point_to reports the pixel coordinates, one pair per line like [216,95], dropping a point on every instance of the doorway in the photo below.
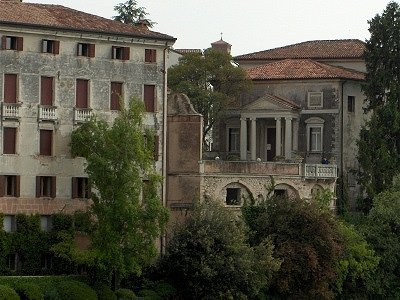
[271,143]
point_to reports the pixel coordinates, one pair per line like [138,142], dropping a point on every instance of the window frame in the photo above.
[238,201]
[315,123]
[351,104]
[150,106]
[120,53]
[10,42]
[13,150]
[10,79]
[85,50]
[43,150]
[44,91]
[10,185]
[312,94]
[150,55]
[46,186]
[87,87]
[13,223]
[50,46]
[81,188]
[228,144]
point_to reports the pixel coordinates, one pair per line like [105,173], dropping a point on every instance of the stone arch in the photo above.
[315,189]
[234,193]
[284,189]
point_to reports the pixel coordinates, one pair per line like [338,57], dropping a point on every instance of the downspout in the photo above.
[342,131]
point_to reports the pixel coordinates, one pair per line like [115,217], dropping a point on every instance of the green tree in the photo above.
[130,13]
[211,82]
[208,257]
[379,144]
[127,210]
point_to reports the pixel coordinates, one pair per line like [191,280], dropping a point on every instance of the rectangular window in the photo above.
[116,95]
[122,53]
[12,261]
[150,55]
[46,90]
[82,93]
[12,43]
[9,185]
[45,186]
[9,223]
[46,142]
[45,223]
[233,196]
[86,49]
[351,103]
[10,88]
[149,97]
[315,99]
[51,46]
[80,188]
[315,139]
[9,140]
[46,261]
[234,140]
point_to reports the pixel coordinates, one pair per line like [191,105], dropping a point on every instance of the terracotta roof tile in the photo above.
[187,51]
[301,69]
[60,17]
[320,49]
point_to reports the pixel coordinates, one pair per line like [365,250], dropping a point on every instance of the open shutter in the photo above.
[38,193]
[74,187]
[153,55]
[91,50]
[17,186]
[3,42]
[82,93]
[20,43]
[149,98]
[56,48]
[10,88]
[126,53]
[53,187]
[2,185]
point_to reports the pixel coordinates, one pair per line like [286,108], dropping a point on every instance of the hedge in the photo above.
[7,293]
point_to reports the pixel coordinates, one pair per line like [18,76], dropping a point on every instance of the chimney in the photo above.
[222,46]
[143,24]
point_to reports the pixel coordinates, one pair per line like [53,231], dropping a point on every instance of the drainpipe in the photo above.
[342,131]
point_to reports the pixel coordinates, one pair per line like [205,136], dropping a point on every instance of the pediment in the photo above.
[270,103]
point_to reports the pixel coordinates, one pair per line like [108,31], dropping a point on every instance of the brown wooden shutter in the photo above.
[116,95]
[20,43]
[149,97]
[153,55]
[147,55]
[4,42]
[9,139]
[156,147]
[2,185]
[53,191]
[126,53]
[82,93]
[113,52]
[74,187]
[56,47]
[92,51]
[10,88]
[38,187]
[46,89]
[17,186]
[46,137]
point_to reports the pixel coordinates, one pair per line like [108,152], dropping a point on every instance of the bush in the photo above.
[149,295]
[125,294]
[7,293]
[75,290]
[29,291]
[165,290]
[51,294]
[104,292]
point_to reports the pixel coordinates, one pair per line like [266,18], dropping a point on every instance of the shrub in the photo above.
[104,292]
[165,290]
[29,291]
[75,290]
[150,295]
[7,293]
[125,294]
[51,294]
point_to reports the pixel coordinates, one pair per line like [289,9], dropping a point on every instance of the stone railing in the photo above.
[82,114]
[48,113]
[320,171]
[10,110]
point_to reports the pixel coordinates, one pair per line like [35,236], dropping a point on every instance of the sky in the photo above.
[249,26]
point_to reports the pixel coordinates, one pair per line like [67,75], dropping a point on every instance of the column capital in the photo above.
[243,119]
[278,118]
[253,118]
[288,118]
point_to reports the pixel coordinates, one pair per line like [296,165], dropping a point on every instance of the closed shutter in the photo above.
[20,43]
[149,97]
[56,47]
[53,191]
[46,137]
[74,187]
[9,139]
[126,53]
[10,88]
[38,186]
[4,42]
[147,55]
[17,186]
[92,52]
[116,95]
[2,185]
[82,93]
[46,89]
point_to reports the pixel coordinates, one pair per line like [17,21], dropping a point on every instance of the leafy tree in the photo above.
[127,211]
[208,257]
[379,144]
[130,13]
[211,82]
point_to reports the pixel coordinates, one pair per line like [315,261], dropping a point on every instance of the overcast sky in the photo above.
[251,25]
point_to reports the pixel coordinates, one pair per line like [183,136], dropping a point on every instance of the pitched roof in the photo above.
[187,51]
[320,49]
[60,17]
[301,69]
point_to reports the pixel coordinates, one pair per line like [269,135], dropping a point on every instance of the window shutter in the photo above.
[153,55]
[3,42]
[10,88]
[91,50]
[53,187]
[156,147]
[2,185]
[116,95]
[46,90]
[82,93]
[46,137]
[56,48]
[149,98]
[74,187]
[17,186]
[38,186]
[20,43]
[9,140]
[113,52]
[126,53]
[147,55]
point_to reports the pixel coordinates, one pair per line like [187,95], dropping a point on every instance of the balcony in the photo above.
[320,171]
[10,110]
[82,114]
[47,113]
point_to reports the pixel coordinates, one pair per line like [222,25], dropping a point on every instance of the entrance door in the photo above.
[271,143]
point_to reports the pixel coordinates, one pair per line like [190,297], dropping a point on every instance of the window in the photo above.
[46,142]
[12,43]
[9,223]
[233,196]
[45,186]
[10,88]
[9,140]
[149,97]
[46,261]
[315,130]
[82,93]
[46,223]
[9,185]
[351,103]
[80,188]
[85,49]
[150,55]
[280,193]
[51,46]
[121,53]
[315,99]
[46,90]
[116,95]
[234,140]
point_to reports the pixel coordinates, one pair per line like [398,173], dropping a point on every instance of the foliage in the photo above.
[7,293]
[208,257]
[379,144]
[130,13]
[210,81]
[28,291]
[125,294]
[75,290]
[104,292]
[128,213]
[342,201]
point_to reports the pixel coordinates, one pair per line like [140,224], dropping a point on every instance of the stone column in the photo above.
[253,139]
[243,139]
[278,137]
[295,134]
[288,138]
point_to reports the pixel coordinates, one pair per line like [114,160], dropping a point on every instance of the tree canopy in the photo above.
[211,82]
[379,144]
[130,13]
